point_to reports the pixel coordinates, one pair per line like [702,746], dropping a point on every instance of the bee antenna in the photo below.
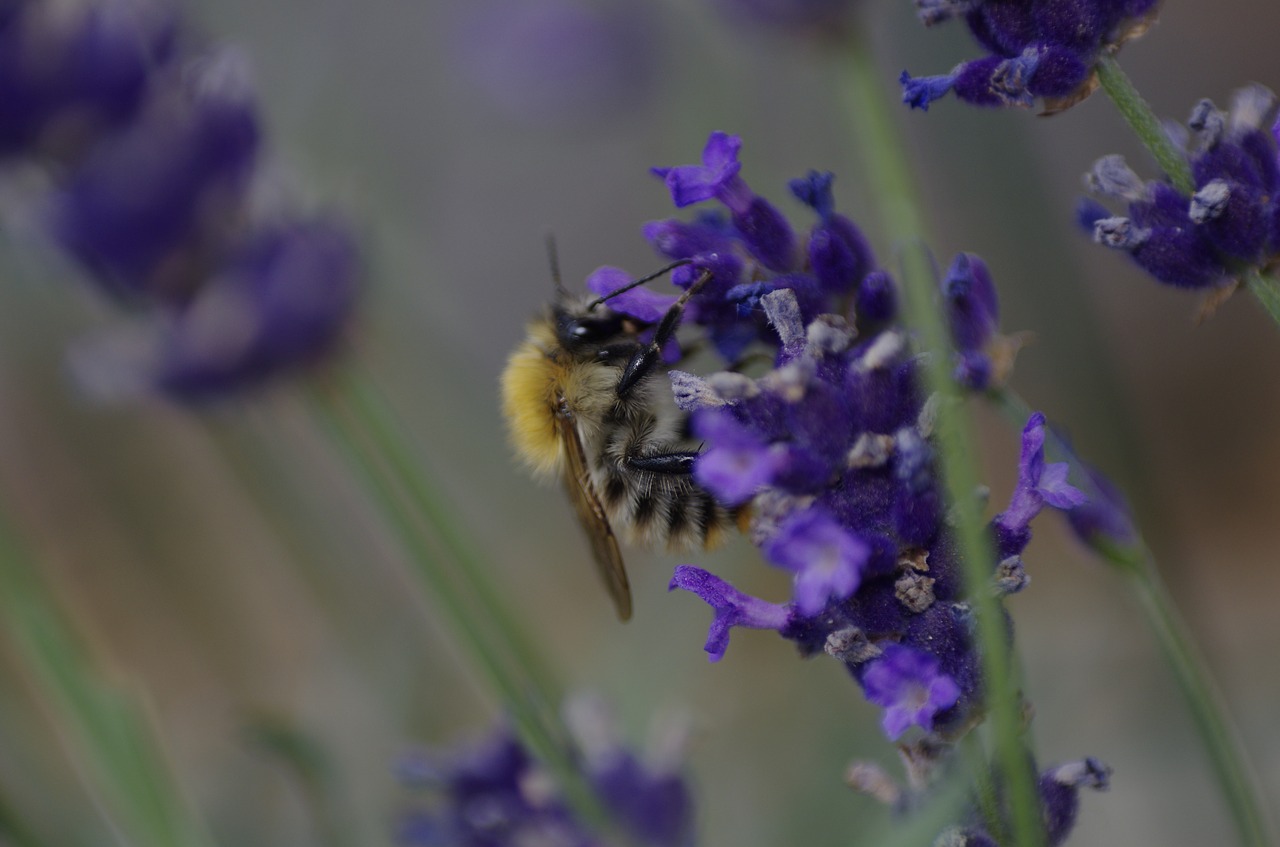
[639,282]
[553,258]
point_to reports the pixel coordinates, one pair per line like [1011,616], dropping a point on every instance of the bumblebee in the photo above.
[584,401]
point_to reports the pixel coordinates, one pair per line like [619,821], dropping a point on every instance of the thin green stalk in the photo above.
[1267,289]
[881,145]
[1138,114]
[13,828]
[105,732]
[360,424]
[1135,562]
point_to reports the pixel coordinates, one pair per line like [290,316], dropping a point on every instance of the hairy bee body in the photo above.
[573,412]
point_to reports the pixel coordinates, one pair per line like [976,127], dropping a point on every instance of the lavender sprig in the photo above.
[897,205]
[1104,524]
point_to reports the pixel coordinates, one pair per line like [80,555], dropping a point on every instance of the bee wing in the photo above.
[591,514]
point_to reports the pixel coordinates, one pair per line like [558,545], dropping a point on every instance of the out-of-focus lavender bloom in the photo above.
[1037,49]
[151,209]
[68,74]
[820,19]
[1103,521]
[279,301]
[558,60]
[1228,226]
[156,149]
[495,794]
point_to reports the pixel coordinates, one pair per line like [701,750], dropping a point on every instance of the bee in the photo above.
[584,402]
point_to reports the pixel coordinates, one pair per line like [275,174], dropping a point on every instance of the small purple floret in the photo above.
[732,607]
[640,303]
[715,178]
[1039,485]
[910,686]
[826,559]
[918,92]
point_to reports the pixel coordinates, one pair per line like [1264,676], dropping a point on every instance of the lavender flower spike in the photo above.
[1036,49]
[1226,226]
[732,607]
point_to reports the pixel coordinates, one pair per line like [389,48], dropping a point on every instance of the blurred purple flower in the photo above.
[558,60]
[153,152]
[824,19]
[495,794]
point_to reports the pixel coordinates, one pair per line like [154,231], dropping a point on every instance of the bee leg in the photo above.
[680,462]
[647,358]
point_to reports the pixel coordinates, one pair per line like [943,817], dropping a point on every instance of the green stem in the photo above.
[1137,112]
[361,425]
[106,733]
[882,146]
[1135,563]
[1267,289]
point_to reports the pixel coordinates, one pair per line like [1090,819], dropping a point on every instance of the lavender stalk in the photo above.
[878,142]
[106,733]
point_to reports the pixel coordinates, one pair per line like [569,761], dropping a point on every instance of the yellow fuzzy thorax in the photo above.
[529,402]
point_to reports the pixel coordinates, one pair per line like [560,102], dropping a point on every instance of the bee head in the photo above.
[579,326]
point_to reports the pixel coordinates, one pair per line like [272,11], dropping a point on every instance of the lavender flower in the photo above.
[822,19]
[66,77]
[1037,49]
[832,449]
[495,794]
[558,59]
[157,154]
[1228,226]
[910,687]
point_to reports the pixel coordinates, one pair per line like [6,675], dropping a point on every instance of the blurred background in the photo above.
[222,563]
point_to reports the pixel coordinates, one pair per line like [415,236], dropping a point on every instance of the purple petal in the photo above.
[732,607]
[640,303]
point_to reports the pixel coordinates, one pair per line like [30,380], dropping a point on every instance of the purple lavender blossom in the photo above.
[732,607]
[495,794]
[826,559]
[910,687]
[1059,789]
[839,255]
[1226,227]
[154,153]
[765,232]
[67,78]
[279,301]
[1039,485]
[831,451]
[822,19]
[1037,49]
[1104,521]
[149,209]
[558,60]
